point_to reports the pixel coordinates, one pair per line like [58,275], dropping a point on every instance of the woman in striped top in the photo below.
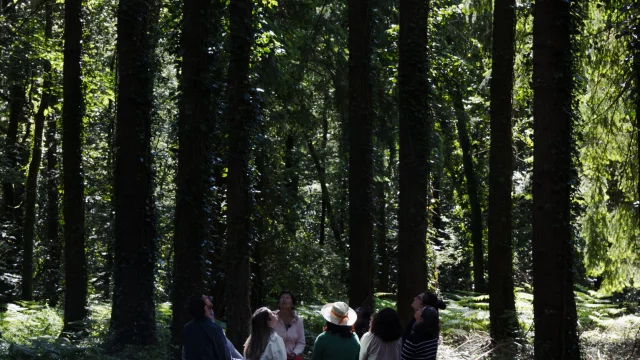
[422,342]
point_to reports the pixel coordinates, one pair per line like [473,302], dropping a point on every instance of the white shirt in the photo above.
[373,348]
[275,349]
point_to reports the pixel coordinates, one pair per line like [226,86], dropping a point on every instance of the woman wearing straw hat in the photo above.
[338,341]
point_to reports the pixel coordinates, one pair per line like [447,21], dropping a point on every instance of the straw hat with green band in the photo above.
[339,313]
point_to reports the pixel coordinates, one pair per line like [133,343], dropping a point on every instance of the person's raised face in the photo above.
[273,319]
[286,301]
[208,306]
[417,303]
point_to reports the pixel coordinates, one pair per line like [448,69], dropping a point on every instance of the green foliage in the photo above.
[25,321]
[30,331]
[609,165]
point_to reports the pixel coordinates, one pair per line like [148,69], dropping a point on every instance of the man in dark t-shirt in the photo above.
[203,338]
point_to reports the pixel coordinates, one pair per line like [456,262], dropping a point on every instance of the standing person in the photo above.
[203,338]
[290,326]
[235,355]
[264,343]
[427,298]
[384,339]
[422,343]
[338,341]
[363,323]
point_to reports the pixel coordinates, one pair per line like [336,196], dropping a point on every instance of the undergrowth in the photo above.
[608,330]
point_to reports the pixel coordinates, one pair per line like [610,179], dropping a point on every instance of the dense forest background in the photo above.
[360,150]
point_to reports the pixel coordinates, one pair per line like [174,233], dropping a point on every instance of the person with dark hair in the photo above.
[427,298]
[384,339]
[338,341]
[203,338]
[422,343]
[264,343]
[362,323]
[290,326]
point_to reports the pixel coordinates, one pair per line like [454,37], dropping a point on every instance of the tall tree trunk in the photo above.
[239,204]
[414,153]
[195,126]
[73,182]
[554,305]
[636,69]
[133,313]
[472,190]
[502,307]
[51,266]
[34,169]
[325,138]
[360,155]
[52,262]
[326,197]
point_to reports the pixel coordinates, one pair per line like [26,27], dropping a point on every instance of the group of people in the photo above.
[348,334]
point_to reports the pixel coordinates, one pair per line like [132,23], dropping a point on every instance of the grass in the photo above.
[607,330]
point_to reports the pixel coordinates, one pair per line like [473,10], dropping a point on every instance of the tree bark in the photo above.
[414,153]
[636,70]
[502,308]
[325,138]
[34,169]
[554,305]
[73,182]
[326,197]
[472,190]
[133,312]
[195,126]
[51,267]
[360,155]
[239,204]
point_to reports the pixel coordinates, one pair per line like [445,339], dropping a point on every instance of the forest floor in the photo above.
[607,330]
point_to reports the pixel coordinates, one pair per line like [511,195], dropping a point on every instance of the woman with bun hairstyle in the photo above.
[427,298]
[290,326]
[384,339]
[338,341]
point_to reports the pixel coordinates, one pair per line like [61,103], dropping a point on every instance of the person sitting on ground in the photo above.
[422,343]
[427,298]
[363,322]
[384,339]
[338,341]
[264,343]
[290,326]
[203,338]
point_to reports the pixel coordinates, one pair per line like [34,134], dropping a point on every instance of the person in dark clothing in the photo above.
[362,323]
[427,298]
[422,342]
[203,338]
